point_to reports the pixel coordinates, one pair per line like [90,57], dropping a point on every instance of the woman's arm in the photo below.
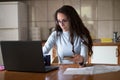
[49,43]
[82,57]
[84,52]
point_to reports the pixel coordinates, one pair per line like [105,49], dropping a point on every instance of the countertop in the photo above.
[97,42]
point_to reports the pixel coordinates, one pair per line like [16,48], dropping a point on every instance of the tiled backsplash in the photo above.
[101,17]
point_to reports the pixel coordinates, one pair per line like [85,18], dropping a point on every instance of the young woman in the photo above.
[71,37]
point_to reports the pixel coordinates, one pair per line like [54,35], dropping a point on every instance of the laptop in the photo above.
[24,56]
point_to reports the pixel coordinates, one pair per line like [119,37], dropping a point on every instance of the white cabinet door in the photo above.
[104,55]
[1,59]
[13,22]
[8,15]
[9,34]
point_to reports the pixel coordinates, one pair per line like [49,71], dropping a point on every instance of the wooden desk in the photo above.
[56,75]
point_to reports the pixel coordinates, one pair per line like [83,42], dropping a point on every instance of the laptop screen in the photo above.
[22,55]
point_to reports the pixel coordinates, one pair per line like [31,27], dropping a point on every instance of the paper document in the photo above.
[97,69]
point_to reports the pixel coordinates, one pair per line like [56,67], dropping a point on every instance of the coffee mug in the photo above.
[47,60]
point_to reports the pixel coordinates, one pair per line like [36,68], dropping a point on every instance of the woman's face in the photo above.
[63,21]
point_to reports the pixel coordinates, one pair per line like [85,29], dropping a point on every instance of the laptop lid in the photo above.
[23,56]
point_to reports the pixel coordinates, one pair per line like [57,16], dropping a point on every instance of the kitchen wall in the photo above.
[101,17]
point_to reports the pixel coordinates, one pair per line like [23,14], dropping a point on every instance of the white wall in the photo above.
[101,17]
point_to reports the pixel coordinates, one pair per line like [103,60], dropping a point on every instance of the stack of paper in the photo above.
[97,69]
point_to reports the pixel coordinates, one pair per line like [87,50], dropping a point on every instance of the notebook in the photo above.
[24,56]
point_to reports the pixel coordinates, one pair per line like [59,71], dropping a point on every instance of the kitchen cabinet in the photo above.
[119,54]
[105,55]
[13,22]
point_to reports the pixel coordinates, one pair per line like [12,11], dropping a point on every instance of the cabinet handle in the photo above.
[117,52]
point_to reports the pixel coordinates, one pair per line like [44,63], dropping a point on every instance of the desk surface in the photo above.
[57,75]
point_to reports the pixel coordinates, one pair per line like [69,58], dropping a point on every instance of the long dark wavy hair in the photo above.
[76,27]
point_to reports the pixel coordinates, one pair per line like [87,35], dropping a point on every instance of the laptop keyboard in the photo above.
[50,68]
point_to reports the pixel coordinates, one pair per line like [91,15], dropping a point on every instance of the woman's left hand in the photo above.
[77,58]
